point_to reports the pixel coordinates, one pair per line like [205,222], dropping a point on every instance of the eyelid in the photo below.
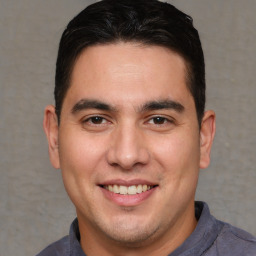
[167,118]
[89,118]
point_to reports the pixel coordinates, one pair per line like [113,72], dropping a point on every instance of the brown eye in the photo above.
[158,120]
[97,120]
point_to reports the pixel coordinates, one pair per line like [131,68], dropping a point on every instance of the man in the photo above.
[130,133]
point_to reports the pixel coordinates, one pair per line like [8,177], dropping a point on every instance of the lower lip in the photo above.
[128,200]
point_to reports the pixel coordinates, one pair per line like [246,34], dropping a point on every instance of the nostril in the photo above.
[114,164]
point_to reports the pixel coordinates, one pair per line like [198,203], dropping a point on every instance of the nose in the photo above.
[128,148]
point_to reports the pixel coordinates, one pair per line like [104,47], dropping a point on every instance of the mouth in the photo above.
[128,193]
[128,190]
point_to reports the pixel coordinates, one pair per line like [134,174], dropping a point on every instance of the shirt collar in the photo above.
[74,236]
[203,236]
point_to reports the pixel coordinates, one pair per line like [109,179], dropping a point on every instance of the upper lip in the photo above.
[127,183]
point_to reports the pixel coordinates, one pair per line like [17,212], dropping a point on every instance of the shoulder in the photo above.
[232,241]
[58,248]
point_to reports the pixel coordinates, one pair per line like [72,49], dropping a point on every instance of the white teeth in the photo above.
[123,190]
[131,190]
[116,189]
[139,189]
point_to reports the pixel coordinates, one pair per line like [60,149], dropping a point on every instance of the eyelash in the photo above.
[90,120]
[104,121]
[163,120]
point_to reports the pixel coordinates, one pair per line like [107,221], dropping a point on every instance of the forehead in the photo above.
[128,53]
[134,70]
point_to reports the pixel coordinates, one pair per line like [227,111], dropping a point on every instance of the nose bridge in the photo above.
[127,148]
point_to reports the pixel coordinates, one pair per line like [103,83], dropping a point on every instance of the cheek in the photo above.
[178,155]
[80,155]
[76,148]
[177,148]
[179,161]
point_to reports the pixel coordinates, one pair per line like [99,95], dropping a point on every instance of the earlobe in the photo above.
[207,133]
[51,130]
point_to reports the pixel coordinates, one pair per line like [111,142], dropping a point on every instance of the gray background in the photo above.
[34,208]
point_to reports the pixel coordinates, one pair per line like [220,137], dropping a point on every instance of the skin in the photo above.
[131,136]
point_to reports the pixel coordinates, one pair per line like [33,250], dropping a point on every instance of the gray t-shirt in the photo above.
[210,238]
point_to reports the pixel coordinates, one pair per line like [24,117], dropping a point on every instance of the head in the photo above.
[129,131]
[144,22]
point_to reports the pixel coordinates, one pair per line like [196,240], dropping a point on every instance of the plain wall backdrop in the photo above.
[34,207]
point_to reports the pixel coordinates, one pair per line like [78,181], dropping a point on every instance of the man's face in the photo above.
[129,143]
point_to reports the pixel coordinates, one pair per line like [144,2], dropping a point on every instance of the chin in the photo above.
[130,232]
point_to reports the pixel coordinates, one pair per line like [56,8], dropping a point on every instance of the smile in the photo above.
[128,193]
[128,190]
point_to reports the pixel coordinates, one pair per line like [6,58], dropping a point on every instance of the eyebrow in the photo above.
[84,104]
[91,104]
[162,104]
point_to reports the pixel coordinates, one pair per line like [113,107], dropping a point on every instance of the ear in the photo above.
[51,130]
[207,133]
